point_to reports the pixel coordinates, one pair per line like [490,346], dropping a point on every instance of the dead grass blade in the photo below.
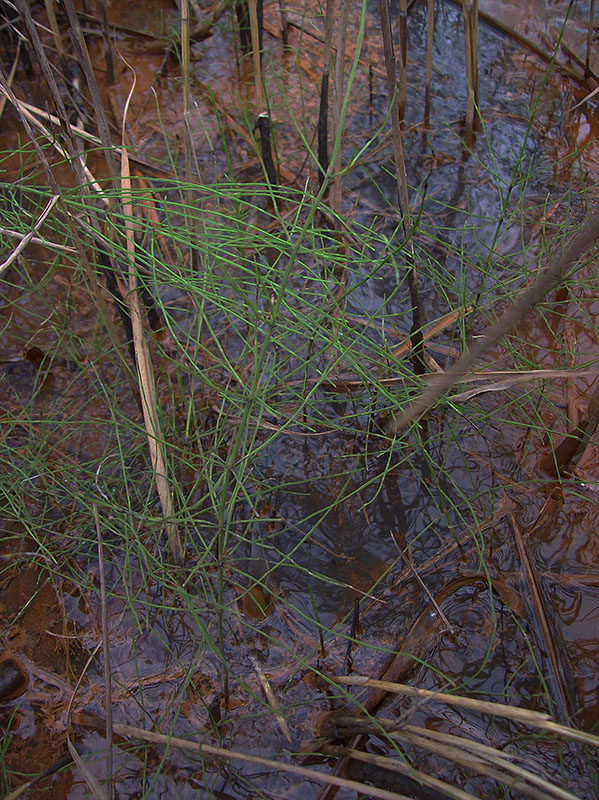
[89,777]
[271,698]
[56,35]
[518,379]
[523,715]
[28,119]
[423,585]
[473,755]
[144,363]
[492,764]
[63,248]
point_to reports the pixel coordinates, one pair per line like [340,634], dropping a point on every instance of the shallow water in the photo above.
[327,504]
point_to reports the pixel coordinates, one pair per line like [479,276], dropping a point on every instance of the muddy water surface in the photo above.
[330,509]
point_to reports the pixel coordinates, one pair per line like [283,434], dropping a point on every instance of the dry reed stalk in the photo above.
[323,112]
[106,41]
[48,73]
[35,114]
[56,35]
[462,750]
[185,68]
[256,58]
[430,31]
[470,12]
[144,363]
[446,790]
[95,723]
[336,187]
[515,713]
[272,700]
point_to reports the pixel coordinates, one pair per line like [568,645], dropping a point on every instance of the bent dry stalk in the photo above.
[546,281]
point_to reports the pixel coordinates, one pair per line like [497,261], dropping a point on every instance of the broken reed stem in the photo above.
[256,57]
[338,95]
[262,123]
[546,281]
[143,360]
[53,22]
[430,31]
[515,713]
[444,789]
[470,12]
[185,67]
[284,25]
[323,112]
[29,236]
